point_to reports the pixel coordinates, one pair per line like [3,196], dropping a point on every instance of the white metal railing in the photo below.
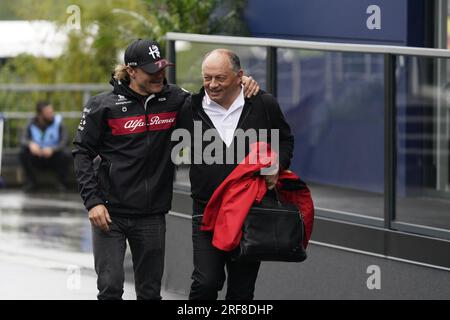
[390,54]
[309,45]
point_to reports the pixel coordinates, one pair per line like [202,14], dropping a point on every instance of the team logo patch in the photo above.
[139,124]
[122,100]
[154,51]
[85,112]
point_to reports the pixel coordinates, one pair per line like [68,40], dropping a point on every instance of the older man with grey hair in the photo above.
[222,107]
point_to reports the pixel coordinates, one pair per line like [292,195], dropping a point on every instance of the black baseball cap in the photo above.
[146,55]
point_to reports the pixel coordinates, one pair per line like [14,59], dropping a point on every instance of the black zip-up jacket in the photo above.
[260,112]
[131,135]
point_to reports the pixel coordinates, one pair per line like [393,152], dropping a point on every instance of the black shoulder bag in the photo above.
[273,230]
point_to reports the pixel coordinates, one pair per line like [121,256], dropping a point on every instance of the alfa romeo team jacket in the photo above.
[131,135]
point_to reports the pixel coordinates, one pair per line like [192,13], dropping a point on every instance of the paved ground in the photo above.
[52,275]
[46,250]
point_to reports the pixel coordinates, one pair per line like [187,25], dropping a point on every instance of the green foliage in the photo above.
[6,11]
[107,27]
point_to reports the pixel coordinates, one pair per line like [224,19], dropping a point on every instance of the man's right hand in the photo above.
[99,217]
[47,152]
[35,149]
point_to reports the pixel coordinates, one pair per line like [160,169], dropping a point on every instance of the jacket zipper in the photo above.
[147,205]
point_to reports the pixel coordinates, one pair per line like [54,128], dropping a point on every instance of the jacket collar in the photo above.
[197,108]
[122,88]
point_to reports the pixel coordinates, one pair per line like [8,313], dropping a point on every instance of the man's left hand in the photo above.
[251,87]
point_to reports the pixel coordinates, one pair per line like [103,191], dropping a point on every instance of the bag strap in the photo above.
[277,197]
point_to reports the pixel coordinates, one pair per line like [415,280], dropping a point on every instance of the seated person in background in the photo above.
[43,142]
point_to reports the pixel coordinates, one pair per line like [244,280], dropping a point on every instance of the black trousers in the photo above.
[31,164]
[146,237]
[209,269]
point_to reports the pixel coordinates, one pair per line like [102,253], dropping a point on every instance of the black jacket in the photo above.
[131,135]
[260,112]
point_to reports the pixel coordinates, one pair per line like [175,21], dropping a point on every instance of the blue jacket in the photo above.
[53,135]
[50,137]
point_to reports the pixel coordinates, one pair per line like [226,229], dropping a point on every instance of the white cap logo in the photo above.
[154,51]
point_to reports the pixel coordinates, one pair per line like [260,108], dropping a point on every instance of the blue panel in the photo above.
[337,120]
[329,20]
[336,109]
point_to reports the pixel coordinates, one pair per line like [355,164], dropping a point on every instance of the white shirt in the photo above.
[225,121]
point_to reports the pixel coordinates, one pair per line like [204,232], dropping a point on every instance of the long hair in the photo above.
[120,73]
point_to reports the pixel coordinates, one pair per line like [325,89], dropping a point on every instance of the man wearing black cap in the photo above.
[129,130]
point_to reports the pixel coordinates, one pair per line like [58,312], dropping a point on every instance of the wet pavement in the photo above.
[46,249]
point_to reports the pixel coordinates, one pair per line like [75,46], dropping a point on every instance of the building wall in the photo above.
[328,273]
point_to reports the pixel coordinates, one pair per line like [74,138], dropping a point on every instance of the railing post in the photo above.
[271,71]
[171,56]
[86,97]
[390,142]
[1,142]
